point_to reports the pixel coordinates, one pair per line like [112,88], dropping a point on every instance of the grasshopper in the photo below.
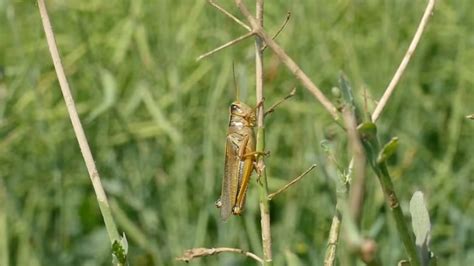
[240,156]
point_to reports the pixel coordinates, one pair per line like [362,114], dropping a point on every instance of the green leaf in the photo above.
[388,150]
[367,130]
[421,225]
[420,218]
[346,90]
[123,40]
[109,87]
[368,135]
[292,259]
[119,251]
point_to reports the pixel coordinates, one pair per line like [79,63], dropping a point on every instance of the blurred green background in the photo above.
[156,123]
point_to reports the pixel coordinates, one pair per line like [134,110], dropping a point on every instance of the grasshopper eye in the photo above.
[235,108]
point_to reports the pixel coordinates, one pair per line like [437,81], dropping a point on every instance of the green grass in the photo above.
[156,122]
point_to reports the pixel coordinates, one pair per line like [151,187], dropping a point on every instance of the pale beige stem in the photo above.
[76,123]
[330,257]
[275,105]
[230,43]
[214,4]
[292,182]
[288,16]
[203,252]
[406,59]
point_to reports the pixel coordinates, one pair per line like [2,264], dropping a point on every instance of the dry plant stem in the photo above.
[214,4]
[241,38]
[294,68]
[260,145]
[356,193]
[203,252]
[292,182]
[406,59]
[76,124]
[288,16]
[274,106]
[330,257]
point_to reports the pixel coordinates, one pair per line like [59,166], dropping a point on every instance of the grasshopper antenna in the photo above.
[237,90]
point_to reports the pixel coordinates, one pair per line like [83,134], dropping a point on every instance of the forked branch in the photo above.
[290,64]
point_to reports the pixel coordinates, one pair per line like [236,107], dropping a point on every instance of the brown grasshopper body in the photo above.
[239,159]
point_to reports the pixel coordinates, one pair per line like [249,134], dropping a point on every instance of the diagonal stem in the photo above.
[232,42]
[290,64]
[406,59]
[77,126]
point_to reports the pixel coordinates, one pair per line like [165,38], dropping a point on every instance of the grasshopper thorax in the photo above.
[242,115]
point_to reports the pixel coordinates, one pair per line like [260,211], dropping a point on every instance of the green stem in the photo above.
[264,202]
[109,221]
[260,145]
[368,134]
[393,203]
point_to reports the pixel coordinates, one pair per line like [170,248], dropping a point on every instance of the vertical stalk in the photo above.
[402,227]
[368,134]
[260,146]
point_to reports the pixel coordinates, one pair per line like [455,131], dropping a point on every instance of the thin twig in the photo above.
[330,257]
[290,64]
[275,105]
[292,182]
[471,116]
[288,16]
[406,59]
[227,13]
[203,252]
[234,41]
[77,126]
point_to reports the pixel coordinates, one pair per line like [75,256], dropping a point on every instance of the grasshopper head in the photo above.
[240,111]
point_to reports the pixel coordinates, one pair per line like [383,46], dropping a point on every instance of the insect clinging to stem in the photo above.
[240,157]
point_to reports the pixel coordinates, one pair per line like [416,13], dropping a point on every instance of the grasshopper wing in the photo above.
[230,183]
